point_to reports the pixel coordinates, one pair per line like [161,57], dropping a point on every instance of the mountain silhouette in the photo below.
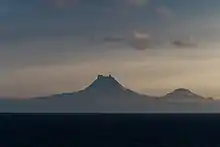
[105,84]
[108,87]
[103,87]
[106,95]
[182,94]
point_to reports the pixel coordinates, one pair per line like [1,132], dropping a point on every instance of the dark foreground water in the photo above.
[84,130]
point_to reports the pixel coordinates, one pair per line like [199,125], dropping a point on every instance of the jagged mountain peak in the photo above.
[105,83]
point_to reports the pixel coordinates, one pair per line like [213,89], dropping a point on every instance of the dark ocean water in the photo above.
[109,130]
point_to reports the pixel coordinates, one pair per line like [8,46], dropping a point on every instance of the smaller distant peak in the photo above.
[182,90]
[183,94]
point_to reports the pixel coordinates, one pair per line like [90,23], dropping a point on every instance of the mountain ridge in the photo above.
[108,86]
[107,95]
[103,86]
[183,94]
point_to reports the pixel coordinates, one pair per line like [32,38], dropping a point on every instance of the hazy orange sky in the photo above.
[49,46]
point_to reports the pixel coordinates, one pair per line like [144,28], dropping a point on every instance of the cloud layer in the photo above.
[43,42]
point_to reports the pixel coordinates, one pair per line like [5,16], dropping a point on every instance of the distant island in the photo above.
[109,86]
[106,95]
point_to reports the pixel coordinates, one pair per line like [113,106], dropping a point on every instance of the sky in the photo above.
[53,46]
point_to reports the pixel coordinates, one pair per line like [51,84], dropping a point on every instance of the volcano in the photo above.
[104,87]
[182,94]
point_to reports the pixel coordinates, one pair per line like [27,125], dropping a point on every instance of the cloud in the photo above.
[138,40]
[62,4]
[165,12]
[141,35]
[183,44]
[137,3]
[113,39]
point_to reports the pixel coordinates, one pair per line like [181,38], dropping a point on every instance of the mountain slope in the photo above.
[107,95]
[103,87]
[182,94]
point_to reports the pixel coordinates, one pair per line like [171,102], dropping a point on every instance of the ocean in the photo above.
[109,130]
